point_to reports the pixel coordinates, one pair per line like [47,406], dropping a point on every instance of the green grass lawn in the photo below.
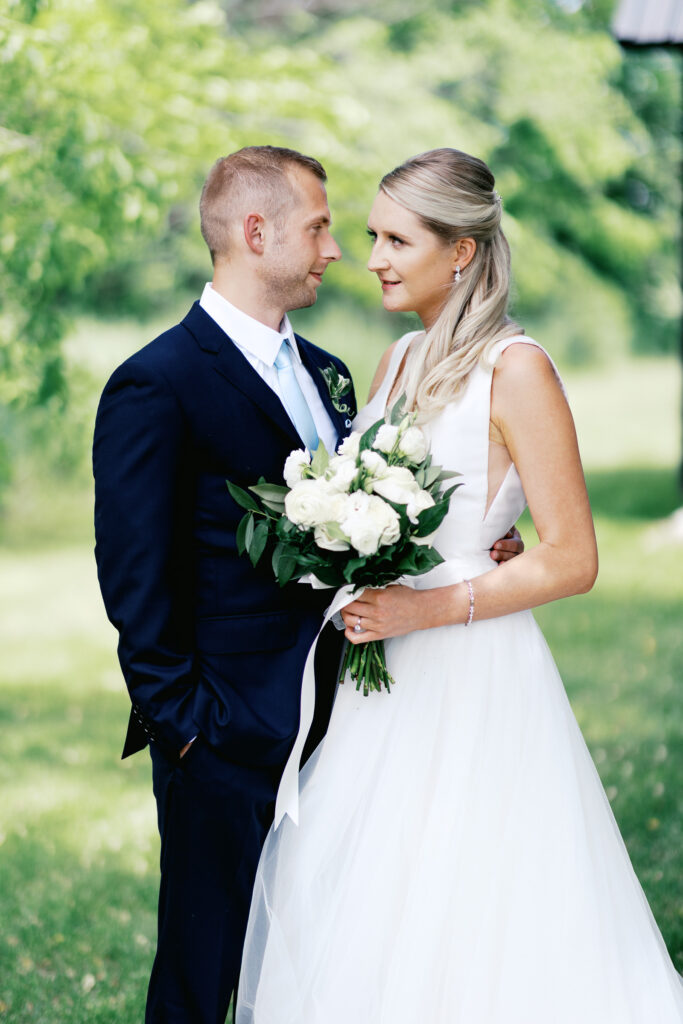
[78,842]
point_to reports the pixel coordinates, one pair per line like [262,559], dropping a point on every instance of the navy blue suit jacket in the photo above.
[207,644]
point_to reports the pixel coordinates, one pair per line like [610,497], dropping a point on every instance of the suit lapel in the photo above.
[232,365]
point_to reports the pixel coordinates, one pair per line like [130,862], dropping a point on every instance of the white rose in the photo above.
[369,523]
[386,438]
[358,526]
[294,466]
[385,517]
[341,472]
[418,503]
[357,501]
[413,445]
[350,445]
[324,540]
[364,534]
[312,502]
[374,463]
[398,485]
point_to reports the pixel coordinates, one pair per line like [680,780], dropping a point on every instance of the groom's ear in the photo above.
[254,232]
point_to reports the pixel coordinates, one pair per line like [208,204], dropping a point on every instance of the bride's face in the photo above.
[415,267]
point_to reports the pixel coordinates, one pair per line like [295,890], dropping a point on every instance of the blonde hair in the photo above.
[453,195]
[252,174]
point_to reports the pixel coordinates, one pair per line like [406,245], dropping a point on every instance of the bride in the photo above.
[457,861]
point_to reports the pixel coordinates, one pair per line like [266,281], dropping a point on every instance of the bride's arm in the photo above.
[532,413]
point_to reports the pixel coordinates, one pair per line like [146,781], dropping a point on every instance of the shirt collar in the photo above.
[248,333]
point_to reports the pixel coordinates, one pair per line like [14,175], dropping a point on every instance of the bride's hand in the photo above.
[396,610]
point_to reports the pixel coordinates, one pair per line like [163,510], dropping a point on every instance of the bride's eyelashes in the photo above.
[394,239]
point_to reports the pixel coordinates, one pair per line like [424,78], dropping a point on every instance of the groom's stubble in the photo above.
[301,245]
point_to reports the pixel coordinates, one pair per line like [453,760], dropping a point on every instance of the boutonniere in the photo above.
[337,387]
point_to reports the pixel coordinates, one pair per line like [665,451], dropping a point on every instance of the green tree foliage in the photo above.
[110,117]
[582,137]
[112,114]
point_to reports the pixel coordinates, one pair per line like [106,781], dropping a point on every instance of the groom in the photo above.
[211,648]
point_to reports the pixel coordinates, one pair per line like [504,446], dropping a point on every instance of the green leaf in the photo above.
[320,460]
[274,506]
[286,568]
[258,542]
[425,559]
[272,496]
[446,496]
[242,498]
[368,438]
[277,555]
[335,531]
[328,574]
[351,566]
[396,414]
[249,532]
[270,492]
[432,475]
[241,530]
[430,519]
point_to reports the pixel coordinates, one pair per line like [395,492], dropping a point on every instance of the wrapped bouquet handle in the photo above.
[287,801]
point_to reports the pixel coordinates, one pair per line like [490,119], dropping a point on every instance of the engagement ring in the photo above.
[358,628]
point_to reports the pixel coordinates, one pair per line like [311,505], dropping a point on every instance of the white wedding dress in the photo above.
[456,860]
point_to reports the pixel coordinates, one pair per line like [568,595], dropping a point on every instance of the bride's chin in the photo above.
[391,304]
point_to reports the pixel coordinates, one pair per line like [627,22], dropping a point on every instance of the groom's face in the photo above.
[302,246]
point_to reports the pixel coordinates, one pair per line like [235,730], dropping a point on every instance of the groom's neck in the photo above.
[245,291]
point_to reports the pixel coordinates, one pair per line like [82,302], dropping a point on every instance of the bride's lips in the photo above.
[388,285]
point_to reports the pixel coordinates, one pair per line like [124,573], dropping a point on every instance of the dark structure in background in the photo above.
[640,23]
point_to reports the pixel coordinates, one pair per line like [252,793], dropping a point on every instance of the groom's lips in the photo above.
[318,275]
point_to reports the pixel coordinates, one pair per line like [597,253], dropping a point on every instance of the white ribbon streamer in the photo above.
[287,801]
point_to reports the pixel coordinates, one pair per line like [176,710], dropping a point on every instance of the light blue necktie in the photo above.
[293,397]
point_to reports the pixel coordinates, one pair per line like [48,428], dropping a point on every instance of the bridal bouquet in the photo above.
[363,517]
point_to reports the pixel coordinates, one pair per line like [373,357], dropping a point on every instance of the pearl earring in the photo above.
[457,275]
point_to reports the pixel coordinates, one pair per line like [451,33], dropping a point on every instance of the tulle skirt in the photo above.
[457,860]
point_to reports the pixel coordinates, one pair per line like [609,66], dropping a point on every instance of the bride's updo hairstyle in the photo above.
[453,195]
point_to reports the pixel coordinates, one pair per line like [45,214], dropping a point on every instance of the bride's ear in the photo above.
[463,252]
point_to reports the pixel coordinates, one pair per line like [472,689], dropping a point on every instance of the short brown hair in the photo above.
[259,172]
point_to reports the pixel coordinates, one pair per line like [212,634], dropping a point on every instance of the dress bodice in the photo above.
[459,441]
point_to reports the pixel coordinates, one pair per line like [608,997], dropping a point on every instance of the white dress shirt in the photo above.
[260,345]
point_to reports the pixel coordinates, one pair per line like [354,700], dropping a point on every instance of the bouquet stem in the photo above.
[367,665]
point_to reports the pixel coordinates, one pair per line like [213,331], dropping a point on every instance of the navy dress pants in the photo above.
[213,819]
